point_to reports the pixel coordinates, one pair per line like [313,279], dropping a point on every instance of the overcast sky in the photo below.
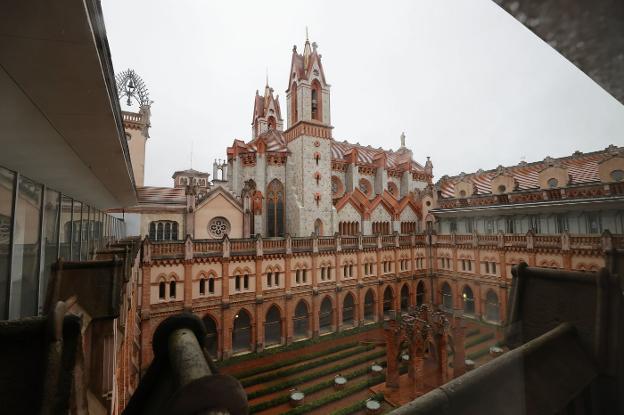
[470,86]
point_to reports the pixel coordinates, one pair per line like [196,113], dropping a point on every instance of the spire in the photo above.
[403,139]
[307,50]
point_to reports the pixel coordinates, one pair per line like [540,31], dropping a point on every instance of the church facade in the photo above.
[298,234]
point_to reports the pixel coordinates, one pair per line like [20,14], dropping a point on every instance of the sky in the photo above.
[470,86]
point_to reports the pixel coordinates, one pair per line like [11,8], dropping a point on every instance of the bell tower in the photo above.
[307,96]
[309,206]
[131,90]
[266,114]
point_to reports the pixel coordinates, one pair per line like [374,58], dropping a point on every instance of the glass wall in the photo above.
[7,179]
[37,226]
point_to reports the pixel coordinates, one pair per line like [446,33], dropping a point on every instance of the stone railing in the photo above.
[235,247]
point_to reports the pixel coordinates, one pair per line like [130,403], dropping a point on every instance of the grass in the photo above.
[356,407]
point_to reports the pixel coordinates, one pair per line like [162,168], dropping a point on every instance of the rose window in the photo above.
[219,227]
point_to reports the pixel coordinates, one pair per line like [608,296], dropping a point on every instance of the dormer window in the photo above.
[553,183]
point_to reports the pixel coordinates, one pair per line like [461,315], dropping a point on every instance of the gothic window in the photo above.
[172,289]
[392,188]
[272,123]
[211,285]
[218,227]
[318,227]
[315,103]
[276,278]
[161,290]
[468,300]
[202,286]
[269,279]
[337,188]
[275,208]
[163,230]
[293,104]
[364,186]
[237,283]
[246,281]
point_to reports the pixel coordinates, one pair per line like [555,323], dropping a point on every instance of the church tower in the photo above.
[266,114]
[309,204]
[131,90]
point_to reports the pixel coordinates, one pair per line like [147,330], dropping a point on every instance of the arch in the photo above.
[468,300]
[202,286]
[211,341]
[492,306]
[388,299]
[162,289]
[326,316]
[172,288]
[420,293]
[273,326]
[348,310]
[301,320]
[369,305]
[447,296]
[241,331]
[316,101]
[404,298]
[318,227]
[275,208]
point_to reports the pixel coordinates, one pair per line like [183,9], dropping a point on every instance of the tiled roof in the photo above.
[582,168]
[275,142]
[161,195]
[366,154]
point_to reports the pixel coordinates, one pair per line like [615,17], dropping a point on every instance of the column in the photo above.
[188,284]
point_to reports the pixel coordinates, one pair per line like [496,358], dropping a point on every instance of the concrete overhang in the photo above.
[60,121]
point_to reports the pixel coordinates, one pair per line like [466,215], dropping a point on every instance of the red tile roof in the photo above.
[367,154]
[582,168]
[161,195]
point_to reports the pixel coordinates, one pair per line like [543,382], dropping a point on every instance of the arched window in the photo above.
[246,281]
[212,335]
[275,208]
[468,299]
[369,305]
[273,326]
[276,278]
[211,287]
[387,302]
[161,290]
[326,316]
[272,123]
[447,296]
[293,104]
[301,320]
[318,227]
[159,232]
[237,283]
[348,310]
[218,227]
[492,306]
[404,298]
[167,236]
[420,293]
[202,286]
[174,231]
[316,101]
[152,231]
[241,332]
[172,289]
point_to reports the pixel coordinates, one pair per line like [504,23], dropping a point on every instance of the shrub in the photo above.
[306,366]
[296,345]
[296,359]
[311,376]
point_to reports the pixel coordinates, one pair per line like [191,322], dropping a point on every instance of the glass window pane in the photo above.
[76,230]
[92,233]
[6,207]
[84,232]
[66,228]
[25,254]
[49,240]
